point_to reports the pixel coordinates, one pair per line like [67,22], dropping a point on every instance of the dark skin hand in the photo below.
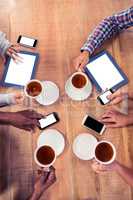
[45,180]
[26,119]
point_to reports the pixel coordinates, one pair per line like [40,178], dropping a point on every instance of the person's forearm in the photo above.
[109,27]
[4,43]
[5,117]
[125,172]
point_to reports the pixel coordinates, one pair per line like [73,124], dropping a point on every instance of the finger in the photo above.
[112,125]
[83,63]
[36,122]
[108,120]
[116,101]
[77,63]
[15,47]
[36,115]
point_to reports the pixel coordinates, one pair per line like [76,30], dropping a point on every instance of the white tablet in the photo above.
[105,72]
[19,74]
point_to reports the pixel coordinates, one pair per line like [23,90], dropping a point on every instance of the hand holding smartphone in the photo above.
[48,120]
[103,98]
[93,124]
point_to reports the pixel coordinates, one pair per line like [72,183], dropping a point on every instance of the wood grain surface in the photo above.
[61,27]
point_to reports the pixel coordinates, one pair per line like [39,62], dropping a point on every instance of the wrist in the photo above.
[86,53]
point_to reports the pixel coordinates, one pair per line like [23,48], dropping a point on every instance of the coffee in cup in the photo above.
[44,156]
[105,152]
[79,80]
[33,88]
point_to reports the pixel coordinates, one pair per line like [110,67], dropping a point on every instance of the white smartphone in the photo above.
[26,41]
[103,97]
[93,124]
[50,119]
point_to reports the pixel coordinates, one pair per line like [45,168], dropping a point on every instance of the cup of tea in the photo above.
[78,86]
[79,80]
[44,156]
[105,152]
[33,88]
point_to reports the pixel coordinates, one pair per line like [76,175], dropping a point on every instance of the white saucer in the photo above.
[78,95]
[53,138]
[84,145]
[49,95]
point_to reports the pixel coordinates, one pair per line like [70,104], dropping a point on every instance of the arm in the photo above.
[6,99]
[11,98]
[109,27]
[4,44]
[125,172]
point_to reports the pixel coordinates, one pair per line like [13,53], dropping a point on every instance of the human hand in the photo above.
[18,97]
[44,181]
[81,60]
[114,118]
[12,51]
[99,168]
[117,97]
[27,119]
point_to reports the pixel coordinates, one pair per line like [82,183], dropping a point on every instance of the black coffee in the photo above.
[34,88]
[45,155]
[79,81]
[104,152]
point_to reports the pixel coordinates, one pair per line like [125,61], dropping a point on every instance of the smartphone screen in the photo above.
[27,41]
[103,97]
[48,120]
[93,124]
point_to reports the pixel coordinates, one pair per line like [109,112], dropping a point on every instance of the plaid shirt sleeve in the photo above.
[108,28]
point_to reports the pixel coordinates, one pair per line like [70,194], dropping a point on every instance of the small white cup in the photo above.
[30,82]
[45,151]
[80,88]
[112,148]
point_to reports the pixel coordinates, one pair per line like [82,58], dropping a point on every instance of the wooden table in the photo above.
[61,27]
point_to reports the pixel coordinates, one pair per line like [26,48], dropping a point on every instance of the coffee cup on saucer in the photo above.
[105,152]
[78,86]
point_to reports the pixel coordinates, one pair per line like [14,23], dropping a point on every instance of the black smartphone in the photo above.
[93,124]
[49,119]
[26,41]
[103,97]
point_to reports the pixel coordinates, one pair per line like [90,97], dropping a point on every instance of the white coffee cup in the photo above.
[105,152]
[33,88]
[79,81]
[44,156]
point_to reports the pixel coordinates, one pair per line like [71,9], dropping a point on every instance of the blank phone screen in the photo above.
[93,124]
[27,41]
[50,119]
[104,98]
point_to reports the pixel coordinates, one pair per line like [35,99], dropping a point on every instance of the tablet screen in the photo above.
[104,72]
[20,74]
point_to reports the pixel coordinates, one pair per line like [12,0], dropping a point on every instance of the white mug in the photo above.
[105,152]
[31,84]
[79,81]
[44,156]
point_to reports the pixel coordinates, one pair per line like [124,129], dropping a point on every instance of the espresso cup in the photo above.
[105,152]
[33,88]
[44,156]
[79,80]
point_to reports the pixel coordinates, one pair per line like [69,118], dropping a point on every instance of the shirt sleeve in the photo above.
[4,43]
[108,28]
[7,99]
